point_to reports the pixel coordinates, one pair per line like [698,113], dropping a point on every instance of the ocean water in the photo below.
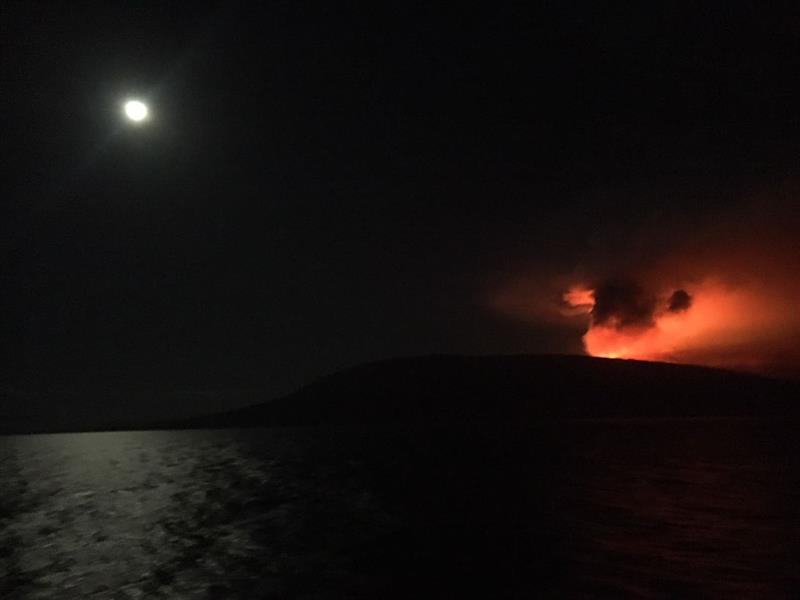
[651,509]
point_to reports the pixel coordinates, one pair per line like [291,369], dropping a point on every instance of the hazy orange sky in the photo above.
[736,275]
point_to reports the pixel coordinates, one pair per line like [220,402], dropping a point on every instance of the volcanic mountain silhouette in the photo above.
[443,390]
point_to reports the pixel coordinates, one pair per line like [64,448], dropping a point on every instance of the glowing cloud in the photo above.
[721,292]
[706,322]
[724,297]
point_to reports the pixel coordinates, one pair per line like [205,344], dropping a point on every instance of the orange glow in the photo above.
[722,296]
[723,326]
[579,296]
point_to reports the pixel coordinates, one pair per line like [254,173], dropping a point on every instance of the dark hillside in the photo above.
[452,389]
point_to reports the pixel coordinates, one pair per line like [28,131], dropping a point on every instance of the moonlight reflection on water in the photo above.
[672,507]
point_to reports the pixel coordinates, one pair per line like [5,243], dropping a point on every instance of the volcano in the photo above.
[518,389]
[444,390]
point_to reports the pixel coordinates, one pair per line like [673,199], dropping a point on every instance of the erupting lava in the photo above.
[723,295]
[707,322]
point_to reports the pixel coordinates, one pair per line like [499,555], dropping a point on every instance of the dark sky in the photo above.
[325,184]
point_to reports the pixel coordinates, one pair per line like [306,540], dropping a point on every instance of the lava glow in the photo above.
[579,297]
[708,322]
[723,295]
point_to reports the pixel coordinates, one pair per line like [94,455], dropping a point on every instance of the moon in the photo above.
[136,110]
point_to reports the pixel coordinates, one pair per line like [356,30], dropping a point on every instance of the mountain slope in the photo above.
[456,389]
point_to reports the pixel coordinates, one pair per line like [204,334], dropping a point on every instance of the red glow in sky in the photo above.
[732,306]
[723,325]
[722,294]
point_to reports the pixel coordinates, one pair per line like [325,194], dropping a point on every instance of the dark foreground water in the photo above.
[698,508]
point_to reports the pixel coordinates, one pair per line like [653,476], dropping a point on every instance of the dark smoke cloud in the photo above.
[724,280]
[679,301]
[623,304]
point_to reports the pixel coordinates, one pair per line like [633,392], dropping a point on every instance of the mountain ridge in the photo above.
[444,389]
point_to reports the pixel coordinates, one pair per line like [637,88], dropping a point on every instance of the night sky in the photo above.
[326,184]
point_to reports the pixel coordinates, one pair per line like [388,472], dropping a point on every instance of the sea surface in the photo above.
[643,509]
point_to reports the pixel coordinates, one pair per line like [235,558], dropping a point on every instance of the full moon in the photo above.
[136,110]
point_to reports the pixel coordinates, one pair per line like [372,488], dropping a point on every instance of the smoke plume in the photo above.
[721,295]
